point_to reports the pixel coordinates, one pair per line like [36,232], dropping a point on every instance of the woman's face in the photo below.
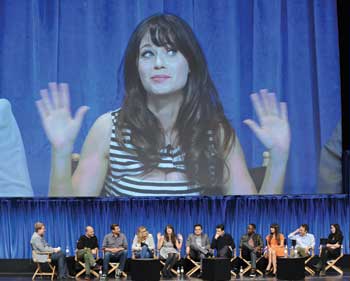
[332,229]
[162,70]
[169,230]
[272,230]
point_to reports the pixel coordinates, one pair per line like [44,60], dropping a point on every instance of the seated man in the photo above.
[115,247]
[222,242]
[251,244]
[39,245]
[87,247]
[198,244]
[14,176]
[304,240]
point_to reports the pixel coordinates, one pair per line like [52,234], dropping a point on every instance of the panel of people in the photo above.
[198,246]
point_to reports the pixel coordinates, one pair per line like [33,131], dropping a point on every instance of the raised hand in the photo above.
[54,109]
[273,129]
[159,236]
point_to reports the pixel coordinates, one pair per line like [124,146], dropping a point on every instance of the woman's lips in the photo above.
[160,78]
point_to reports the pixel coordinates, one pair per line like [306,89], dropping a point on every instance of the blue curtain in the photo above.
[66,219]
[290,47]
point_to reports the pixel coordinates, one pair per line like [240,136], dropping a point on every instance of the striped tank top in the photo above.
[123,178]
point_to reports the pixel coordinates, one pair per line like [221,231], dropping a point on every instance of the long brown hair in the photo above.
[172,236]
[203,131]
[277,233]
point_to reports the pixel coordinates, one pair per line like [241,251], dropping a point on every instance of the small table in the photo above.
[290,268]
[216,269]
[145,269]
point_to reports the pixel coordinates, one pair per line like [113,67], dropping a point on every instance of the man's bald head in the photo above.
[89,231]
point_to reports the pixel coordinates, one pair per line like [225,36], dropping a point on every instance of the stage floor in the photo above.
[325,278]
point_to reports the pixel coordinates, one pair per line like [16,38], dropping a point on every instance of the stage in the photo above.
[325,278]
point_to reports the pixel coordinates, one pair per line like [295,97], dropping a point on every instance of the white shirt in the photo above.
[308,240]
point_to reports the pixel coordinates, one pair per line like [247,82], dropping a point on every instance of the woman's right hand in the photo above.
[54,109]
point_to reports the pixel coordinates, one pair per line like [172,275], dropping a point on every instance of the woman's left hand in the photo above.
[273,129]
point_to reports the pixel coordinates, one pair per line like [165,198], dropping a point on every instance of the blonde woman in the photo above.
[143,244]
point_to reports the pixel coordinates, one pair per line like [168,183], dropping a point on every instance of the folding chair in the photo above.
[82,264]
[39,271]
[195,268]
[113,267]
[162,262]
[232,260]
[248,263]
[332,263]
[307,265]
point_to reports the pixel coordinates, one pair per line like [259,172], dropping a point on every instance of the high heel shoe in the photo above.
[268,271]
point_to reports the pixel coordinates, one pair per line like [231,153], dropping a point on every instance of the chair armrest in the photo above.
[43,253]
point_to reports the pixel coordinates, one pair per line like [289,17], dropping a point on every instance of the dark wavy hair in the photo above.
[172,236]
[277,233]
[338,233]
[203,132]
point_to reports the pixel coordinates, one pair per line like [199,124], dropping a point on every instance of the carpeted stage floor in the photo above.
[325,278]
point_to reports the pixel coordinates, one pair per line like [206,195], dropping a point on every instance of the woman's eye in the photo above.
[171,52]
[147,54]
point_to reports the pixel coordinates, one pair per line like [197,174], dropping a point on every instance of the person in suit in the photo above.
[198,244]
[41,247]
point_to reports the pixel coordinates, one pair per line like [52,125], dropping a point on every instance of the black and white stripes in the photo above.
[125,168]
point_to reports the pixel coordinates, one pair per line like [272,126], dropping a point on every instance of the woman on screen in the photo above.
[171,136]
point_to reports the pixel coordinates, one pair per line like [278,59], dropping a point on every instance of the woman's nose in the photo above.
[159,62]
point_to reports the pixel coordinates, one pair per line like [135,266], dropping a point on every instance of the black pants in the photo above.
[328,254]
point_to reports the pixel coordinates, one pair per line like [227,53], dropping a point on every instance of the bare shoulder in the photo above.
[103,123]
[98,138]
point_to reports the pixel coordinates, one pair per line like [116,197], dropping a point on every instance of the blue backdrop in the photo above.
[290,47]
[66,219]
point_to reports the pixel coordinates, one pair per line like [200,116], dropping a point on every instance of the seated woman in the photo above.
[169,247]
[332,249]
[143,244]
[275,243]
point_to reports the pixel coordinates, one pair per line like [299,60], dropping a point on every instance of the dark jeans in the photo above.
[144,253]
[60,258]
[250,254]
[224,252]
[117,257]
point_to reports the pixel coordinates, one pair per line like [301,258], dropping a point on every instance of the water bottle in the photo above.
[182,273]
[178,271]
[295,252]
[241,272]
[286,251]
[67,252]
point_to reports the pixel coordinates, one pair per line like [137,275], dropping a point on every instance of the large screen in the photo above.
[224,98]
